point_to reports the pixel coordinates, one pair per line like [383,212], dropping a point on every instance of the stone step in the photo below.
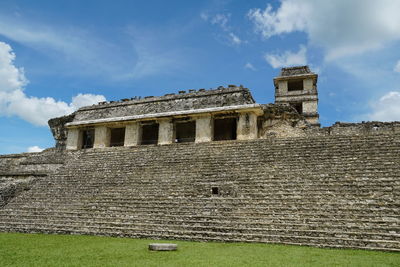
[211,236]
[237,223]
[216,230]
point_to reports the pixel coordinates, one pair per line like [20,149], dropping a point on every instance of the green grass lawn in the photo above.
[70,250]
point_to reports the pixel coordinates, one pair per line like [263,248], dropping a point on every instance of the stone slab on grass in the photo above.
[163,247]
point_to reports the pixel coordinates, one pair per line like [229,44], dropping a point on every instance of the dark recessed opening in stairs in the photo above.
[215,190]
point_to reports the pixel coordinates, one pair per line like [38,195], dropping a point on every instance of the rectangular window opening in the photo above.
[87,138]
[117,137]
[225,129]
[215,190]
[295,85]
[185,132]
[149,134]
[298,107]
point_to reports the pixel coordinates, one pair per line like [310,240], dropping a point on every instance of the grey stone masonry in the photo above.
[297,86]
[221,97]
[325,191]
[293,71]
[59,131]
[19,172]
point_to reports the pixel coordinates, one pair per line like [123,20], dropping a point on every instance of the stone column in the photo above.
[132,134]
[74,139]
[308,85]
[247,126]
[204,129]
[283,87]
[165,131]
[102,135]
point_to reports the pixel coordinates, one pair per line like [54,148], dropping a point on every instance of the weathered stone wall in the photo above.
[363,128]
[281,121]
[59,131]
[329,190]
[12,186]
[18,172]
[220,97]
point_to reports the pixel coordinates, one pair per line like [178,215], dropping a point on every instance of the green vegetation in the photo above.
[71,250]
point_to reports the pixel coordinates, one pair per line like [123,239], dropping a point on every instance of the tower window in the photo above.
[298,107]
[295,85]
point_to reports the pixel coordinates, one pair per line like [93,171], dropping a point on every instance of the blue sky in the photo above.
[56,56]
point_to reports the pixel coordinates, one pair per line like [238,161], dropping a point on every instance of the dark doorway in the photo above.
[298,107]
[295,85]
[87,138]
[225,129]
[149,134]
[117,136]
[185,132]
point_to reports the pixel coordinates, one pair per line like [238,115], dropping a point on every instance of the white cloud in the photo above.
[14,102]
[249,66]
[221,20]
[204,16]
[397,67]
[287,58]
[387,108]
[235,39]
[35,149]
[341,27]
[11,78]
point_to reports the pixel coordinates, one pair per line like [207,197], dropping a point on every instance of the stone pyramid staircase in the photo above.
[335,191]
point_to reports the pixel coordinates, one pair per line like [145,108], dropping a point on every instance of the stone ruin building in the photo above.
[212,165]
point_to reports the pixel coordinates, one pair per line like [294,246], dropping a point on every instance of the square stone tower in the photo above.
[297,86]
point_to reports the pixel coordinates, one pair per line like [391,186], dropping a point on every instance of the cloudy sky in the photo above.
[56,56]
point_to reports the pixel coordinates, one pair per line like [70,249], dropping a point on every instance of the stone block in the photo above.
[163,247]
[166,131]
[132,134]
[74,139]
[247,126]
[204,129]
[102,135]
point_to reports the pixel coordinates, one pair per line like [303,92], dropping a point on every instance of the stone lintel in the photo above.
[102,135]
[295,77]
[300,98]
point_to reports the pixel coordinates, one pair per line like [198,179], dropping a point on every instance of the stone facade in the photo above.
[297,86]
[244,172]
